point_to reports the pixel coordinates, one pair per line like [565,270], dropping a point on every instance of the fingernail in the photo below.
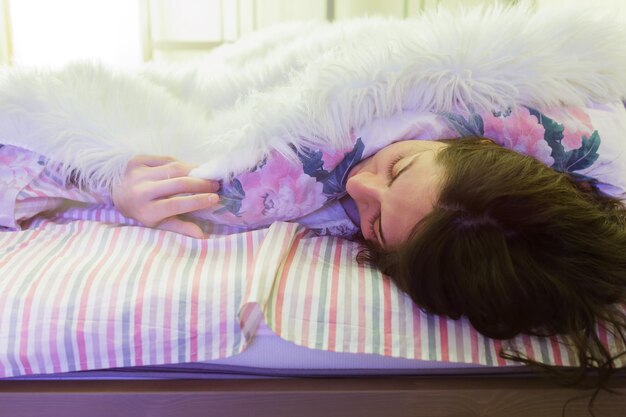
[214,198]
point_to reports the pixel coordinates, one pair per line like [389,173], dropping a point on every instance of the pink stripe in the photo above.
[253,243]
[603,335]
[251,251]
[280,299]
[444,342]
[225,330]
[28,302]
[31,236]
[41,338]
[553,345]
[292,302]
[498,348]
[140,300]
[54,343]
[474,345]
[332,313]
[417,333]
[386,306]
[19,267]
[169,244]
[195,293]
[168,308]
[127,236]
[84,297]
[7,238]
[309,290]
[362,336]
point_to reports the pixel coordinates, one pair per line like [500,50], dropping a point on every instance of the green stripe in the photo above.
[74,300]
[241,251]
[377,304]
[488,356]
[432,337]
[129,301]
[25,282]
[322,313]
[183,317]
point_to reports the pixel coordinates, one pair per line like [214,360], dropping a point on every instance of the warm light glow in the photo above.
[51,33]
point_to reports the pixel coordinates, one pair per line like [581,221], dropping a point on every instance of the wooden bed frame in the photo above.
[428,396]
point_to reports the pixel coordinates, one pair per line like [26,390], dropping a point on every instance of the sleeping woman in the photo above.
[466,227]
[473,199]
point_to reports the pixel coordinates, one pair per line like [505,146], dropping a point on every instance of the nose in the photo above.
[365,188]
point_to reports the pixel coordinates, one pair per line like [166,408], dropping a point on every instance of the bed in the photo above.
[122,319]
[100,316]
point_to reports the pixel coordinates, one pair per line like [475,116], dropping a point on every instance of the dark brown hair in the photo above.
[518,248]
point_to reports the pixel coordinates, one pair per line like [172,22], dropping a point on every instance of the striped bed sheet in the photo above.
[85,288]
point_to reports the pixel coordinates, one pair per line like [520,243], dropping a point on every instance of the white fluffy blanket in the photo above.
[310,85]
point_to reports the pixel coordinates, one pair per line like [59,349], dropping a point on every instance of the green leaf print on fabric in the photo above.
[471,127]
[572,160]
[334,182]
[231,196]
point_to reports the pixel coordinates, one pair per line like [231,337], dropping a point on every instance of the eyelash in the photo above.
[390,168]
[392,164]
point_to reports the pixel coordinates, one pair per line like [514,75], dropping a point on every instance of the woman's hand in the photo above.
[150,190]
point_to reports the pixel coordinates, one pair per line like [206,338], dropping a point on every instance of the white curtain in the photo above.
[181,28]
[128,32]
[53,32]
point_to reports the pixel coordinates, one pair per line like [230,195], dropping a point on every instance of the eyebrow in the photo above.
[380,218]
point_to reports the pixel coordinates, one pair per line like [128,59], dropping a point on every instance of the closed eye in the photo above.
[392,178]
[390,169]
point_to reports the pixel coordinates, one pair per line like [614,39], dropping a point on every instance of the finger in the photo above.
[181,185]
[168,171]
[174,206]
[174,224]
[153,160]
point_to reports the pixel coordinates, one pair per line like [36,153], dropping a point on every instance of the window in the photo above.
[51,33]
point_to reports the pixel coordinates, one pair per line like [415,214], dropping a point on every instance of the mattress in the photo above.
[82,290]
[269,356]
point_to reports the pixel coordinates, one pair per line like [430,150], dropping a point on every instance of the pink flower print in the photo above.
[519,131]
[332,157]
[280,190]
[494,127]
[576,124]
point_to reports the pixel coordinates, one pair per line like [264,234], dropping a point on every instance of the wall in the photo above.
[181,27]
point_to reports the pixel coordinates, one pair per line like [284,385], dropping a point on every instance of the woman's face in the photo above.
[394,189]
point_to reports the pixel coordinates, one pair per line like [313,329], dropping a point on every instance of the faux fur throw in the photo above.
[309,86]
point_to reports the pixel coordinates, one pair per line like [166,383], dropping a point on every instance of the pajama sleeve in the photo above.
[28,187]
